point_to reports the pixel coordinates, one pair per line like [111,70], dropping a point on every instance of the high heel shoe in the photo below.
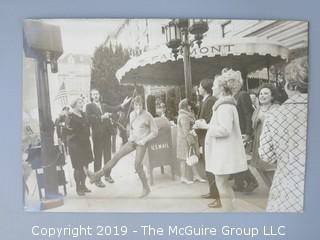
[199,179]
[80,192]
[145,192]
[86,190]
[186,181]
[215,204]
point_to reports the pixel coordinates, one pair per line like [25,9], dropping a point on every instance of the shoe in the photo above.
[199,179]
[86,190]
[207,196]
[108,179]
[80,192]
[145,192]
[215,204]
[251,187]
[186,181]
[100,184]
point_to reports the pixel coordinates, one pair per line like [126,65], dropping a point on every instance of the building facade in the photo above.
[73,80]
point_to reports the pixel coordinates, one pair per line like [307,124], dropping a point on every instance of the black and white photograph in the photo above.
[164,115]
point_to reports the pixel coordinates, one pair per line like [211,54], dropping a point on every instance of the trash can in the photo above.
[160,151]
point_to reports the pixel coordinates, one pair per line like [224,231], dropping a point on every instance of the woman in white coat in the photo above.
[225,152]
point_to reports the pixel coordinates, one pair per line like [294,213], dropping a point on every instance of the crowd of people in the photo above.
[216,134]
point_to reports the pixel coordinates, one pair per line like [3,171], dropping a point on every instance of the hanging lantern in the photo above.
[177,30]
[182,23]
[198,27]
[173,37]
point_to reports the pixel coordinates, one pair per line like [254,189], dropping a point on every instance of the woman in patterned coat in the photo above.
[283,140]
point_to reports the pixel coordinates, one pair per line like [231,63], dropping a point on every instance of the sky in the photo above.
[81,36]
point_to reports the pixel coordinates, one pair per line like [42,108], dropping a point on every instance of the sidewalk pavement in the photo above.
[166,195]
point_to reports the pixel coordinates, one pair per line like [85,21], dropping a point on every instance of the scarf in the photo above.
[224,100]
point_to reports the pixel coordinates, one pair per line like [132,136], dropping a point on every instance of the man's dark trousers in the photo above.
[102,147]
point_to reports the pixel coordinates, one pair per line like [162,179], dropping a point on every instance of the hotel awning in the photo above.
[158,67]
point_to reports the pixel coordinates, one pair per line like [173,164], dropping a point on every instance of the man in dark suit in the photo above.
[245,181]
[205,113]
[99,116]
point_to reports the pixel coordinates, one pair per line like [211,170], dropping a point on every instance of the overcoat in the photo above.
[78,140]
[283,140]
[258,119]
[206,114]
[224,150]
[184,138]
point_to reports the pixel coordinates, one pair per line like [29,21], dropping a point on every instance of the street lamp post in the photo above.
[177,38]
[187,67]
[43,43]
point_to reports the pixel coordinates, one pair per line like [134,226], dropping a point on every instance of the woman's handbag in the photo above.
[192,157]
